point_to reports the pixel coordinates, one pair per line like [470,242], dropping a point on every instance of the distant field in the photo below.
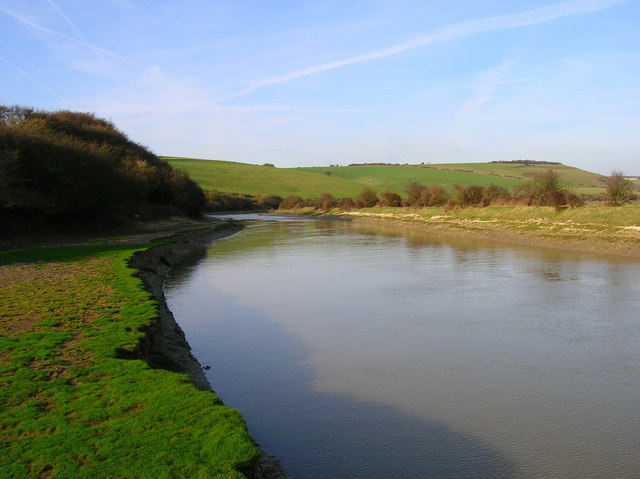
[248,179]
[344,181]
[483,174]
[396,178]
[571,177]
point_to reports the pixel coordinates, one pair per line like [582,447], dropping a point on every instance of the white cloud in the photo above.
[485,87]
[460,30]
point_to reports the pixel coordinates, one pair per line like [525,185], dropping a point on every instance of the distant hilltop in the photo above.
[527,162]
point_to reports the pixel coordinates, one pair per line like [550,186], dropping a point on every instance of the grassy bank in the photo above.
[75,400]
[594,229]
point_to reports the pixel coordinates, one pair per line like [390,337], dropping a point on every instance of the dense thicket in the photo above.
[71,167]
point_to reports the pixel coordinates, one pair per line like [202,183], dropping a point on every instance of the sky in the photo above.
[314,83]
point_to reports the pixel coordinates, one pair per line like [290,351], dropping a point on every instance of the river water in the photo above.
[368,351]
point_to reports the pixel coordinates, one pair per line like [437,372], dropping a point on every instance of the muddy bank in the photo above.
[622,243]
[165,345]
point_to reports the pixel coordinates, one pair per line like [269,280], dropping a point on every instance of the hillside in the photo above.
[349,181]
[506,175]
[249,179]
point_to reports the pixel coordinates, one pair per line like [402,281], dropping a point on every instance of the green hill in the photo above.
[246,179]
[507,175]
[344,181]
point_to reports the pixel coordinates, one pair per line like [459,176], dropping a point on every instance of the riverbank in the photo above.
[98,379]
[591,229]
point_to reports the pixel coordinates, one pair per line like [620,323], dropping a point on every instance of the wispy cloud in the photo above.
[35,80]
[486,86]
[79,41]
[460,30]
[259,108]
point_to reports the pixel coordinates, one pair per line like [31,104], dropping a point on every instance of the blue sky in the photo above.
[336,82]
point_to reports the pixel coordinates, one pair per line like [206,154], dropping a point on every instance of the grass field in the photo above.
[500,174]
[71,405]
[396,178]
[248,179]
[344,181]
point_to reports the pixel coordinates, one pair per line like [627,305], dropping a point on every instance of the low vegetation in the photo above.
[543,189]
[76,399]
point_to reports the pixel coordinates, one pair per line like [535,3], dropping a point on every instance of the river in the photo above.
[371,351]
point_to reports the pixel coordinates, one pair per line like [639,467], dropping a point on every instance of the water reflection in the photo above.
[354,351]
[317,435]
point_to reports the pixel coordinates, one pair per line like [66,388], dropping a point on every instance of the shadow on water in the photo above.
[265,372]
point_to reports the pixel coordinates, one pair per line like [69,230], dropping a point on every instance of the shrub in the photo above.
[493,194]
[468,195]
[368,198]
[619,189]
[219,201]
[292,202]
[267,201]
[435,195]
[390,199]
[574,201]
[347,204]
[326,202]
[541,187]
[413,192]
[555,198]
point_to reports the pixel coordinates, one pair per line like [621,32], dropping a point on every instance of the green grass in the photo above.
[396,178]
[570,176]
[248,179]
[344,181]
[602,217]
[71,406]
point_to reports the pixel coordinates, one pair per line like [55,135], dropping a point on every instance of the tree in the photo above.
[543,189]
[619,189]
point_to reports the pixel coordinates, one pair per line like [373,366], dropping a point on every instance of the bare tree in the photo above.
[619,189]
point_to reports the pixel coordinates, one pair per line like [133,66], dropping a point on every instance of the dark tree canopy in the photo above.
[74,166]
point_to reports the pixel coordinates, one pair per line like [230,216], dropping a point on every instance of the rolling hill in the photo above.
[246,179]
[506,175]
[344,181]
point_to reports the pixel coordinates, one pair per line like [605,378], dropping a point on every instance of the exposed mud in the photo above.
[616,241]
